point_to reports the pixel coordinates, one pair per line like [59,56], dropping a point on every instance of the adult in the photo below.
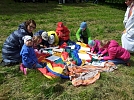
[127,38]
[14,42]
[83,33]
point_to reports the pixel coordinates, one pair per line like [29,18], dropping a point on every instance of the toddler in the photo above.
[29,59]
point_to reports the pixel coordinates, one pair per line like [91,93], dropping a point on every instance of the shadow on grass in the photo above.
[54,90]
[120,6]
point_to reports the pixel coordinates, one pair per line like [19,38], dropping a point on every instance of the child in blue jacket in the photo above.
[29,59]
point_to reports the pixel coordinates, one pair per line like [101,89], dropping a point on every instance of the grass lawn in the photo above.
[104,21]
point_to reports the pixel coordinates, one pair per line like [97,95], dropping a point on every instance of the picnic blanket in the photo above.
[74,63]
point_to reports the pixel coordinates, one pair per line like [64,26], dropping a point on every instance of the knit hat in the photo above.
[91,43]
[39,33]
[51,39]
[26,38]
[83,25]
[44,36]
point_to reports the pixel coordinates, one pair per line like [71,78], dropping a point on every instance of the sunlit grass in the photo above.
[104,21]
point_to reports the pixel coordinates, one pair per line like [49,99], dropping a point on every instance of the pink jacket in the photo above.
[97,48]
[115,51]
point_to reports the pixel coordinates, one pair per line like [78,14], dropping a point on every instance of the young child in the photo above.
[95,46]
[29,59]
[44,35]
[83,33]
[51,40]
[116,53]
[56,38]
[63,33]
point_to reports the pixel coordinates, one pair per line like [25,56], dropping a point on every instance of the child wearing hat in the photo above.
[44,42]
[63,33]
[83,33]
[116,53]
[53,38]
[29,59]
[95,46]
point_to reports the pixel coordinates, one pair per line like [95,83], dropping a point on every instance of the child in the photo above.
[83,33]
[56,38]
[44,42]
[29,59]
[63,33]
[36,41]
[116,53]
[95,46]
[51,40]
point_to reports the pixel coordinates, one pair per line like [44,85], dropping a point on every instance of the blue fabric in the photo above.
[39,66]
[13,44]
[28,56]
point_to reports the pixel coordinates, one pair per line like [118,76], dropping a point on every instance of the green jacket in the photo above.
[85,33]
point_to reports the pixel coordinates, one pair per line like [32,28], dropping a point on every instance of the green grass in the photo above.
[104,21]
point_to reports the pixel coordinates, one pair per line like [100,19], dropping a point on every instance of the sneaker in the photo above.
[25,71]
[21,67]
[128,64]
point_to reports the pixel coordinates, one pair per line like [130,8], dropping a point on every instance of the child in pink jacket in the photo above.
[116,53]
[95,46]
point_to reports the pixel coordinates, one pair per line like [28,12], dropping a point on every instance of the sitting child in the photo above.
[44,39]
[29,59]
[116,53]
[52,34]
[95,46]
[63,33]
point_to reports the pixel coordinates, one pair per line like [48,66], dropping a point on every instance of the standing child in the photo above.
[83,33]
[29,59]
[63,33]
[116,53]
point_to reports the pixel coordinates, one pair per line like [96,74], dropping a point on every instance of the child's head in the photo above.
[37,40]
[60,26]
[44,36]
[91,43]
[51,39]
[83,25]
[28,40]
[104,43]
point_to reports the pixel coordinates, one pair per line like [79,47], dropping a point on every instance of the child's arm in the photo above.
[78,34]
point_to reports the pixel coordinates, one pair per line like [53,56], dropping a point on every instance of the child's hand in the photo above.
[100,58]
[100,55]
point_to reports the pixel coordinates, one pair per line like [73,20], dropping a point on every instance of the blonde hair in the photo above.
[104,42]
[36,39]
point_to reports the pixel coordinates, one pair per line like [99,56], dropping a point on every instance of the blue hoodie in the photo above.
[28,56]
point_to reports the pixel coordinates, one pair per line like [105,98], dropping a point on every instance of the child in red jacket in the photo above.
[63,33]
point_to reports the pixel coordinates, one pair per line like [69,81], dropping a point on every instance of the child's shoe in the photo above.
[21,67]
[25,71]
[128,64]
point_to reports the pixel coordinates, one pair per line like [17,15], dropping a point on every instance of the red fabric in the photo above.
[62,32]
[63,45]
[64,55]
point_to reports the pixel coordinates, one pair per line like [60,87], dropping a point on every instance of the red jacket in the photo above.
[62,32]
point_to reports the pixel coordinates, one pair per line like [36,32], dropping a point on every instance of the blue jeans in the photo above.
[118,61]
[39,66]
